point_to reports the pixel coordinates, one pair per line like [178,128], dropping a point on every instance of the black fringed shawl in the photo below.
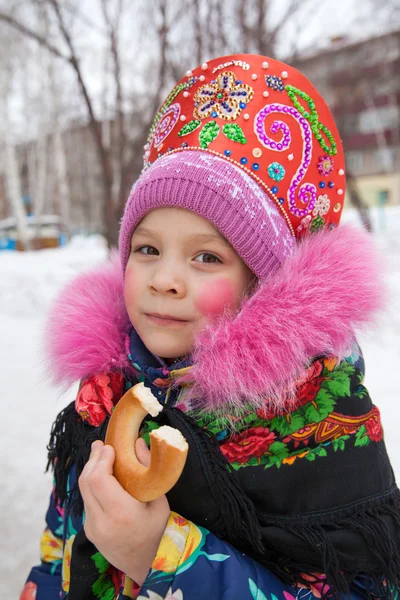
[317,494]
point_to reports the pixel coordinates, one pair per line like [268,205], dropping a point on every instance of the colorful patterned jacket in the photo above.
[293,404]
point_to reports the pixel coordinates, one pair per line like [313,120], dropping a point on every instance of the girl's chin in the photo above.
[167,350]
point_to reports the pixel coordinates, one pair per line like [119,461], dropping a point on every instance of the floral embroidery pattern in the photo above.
[374,426]
[243,446]
[322,205]
[97,396]
[325,165]
[225,97]
[276,171]
[274,438]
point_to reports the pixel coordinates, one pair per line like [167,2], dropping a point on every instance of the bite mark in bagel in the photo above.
[168,447]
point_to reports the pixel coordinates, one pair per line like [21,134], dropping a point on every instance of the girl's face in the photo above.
[181,273]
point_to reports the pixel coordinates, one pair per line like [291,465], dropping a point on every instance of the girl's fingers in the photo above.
[84,480]
[142,452]
[102,484]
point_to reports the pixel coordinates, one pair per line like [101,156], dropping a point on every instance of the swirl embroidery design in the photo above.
[306,193]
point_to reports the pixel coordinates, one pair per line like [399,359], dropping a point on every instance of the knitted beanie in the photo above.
[249,144]
[221,193]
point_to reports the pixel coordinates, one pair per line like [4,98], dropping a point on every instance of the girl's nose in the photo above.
[167,280]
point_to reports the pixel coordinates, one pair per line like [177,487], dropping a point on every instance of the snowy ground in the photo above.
[28,283]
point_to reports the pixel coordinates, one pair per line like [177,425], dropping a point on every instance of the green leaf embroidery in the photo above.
[234,132]
[101,563]
[362,392]
[362,438]
[318,451]
[211,422]
[287,424]
[189,127]
[103,589]
[208,134]
[338,382]
[276,453]
[339,443]
[319,409]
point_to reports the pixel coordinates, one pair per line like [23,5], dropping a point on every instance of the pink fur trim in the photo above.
[311,306]
[331,287]
[87,326]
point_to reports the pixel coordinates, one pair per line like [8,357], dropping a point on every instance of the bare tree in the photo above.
[178,35]
[11,47]
[41,171]
[12,173]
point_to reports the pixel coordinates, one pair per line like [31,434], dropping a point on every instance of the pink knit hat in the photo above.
[221,193]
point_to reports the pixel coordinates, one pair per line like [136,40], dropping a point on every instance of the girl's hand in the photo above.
[125,531]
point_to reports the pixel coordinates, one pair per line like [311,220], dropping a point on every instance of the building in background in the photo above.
[361,83]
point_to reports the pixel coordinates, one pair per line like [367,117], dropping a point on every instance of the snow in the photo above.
[28,284]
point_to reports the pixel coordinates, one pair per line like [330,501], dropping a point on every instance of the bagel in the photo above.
[168,447]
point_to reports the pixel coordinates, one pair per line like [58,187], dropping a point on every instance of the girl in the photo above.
[234,299]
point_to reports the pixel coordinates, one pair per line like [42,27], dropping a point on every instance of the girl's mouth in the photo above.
[165,320]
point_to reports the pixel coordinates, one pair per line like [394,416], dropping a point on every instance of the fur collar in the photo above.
[312,306]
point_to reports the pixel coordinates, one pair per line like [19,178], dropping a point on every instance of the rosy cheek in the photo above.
[130,287]
[215,296]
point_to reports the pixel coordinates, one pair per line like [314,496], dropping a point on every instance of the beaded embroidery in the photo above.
[188,128]
[325,165]
[227,97]
[166,124]
[247,111]
[312,117]
[170,98]
[322,205]
[276,171]
[276,83]
[234,132]
[237,63]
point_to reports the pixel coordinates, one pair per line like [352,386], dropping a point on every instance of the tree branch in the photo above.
[113,29]
[103,152]
[6,18]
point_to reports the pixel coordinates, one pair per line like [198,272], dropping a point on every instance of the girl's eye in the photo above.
[208,258]
[147,250]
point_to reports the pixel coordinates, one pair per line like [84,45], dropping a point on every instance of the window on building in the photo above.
[378,119]
[384,159]
[355,162]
